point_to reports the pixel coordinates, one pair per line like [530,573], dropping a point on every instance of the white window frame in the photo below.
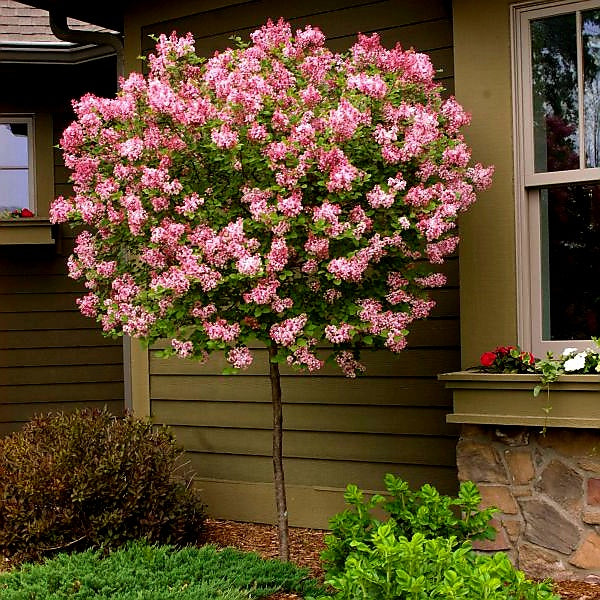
[528,182]
[31,175]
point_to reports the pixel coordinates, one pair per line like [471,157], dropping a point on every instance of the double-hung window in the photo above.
[17,178]
[557,133]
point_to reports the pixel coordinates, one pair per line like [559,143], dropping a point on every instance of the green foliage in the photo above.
[139,571]
[424,511]
[421,551]
[90,479]
[392,566]
[550,369]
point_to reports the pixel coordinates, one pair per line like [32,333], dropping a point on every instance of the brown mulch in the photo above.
[307,544]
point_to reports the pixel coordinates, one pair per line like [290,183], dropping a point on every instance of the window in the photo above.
[17,181]
[557,130]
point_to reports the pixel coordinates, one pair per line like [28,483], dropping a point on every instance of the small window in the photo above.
[16,164]
[557,132]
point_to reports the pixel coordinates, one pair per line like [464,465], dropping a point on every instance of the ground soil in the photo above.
[307,544]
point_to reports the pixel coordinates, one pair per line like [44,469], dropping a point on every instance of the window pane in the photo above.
[590,22]
[555,93]
[570,251]
[14,189]
[13,145]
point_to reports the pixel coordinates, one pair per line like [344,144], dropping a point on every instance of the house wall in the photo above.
[488,284]
[51,357]
[336,430]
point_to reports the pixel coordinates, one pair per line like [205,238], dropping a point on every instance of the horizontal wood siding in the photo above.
[51,357]
[336,430]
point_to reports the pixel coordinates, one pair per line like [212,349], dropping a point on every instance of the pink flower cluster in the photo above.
[275,191]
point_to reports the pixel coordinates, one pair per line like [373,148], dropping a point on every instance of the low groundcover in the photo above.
[144,572]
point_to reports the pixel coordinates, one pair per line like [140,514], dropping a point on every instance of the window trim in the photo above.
[527,182]
[8,118]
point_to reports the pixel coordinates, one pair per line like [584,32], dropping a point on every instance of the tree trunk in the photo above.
[278,478]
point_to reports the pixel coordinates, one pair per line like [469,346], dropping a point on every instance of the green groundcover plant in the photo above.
[422,550]
[142,571]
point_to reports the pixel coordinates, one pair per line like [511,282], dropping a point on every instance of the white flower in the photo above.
[568,351]
[576,363]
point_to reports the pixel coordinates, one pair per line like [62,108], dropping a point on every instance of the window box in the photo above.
[26,231]
[507,399]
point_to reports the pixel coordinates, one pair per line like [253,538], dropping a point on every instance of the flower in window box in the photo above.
[507,359]
[21,213]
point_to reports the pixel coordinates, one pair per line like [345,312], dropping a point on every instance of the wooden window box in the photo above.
[507,399]
[26,231]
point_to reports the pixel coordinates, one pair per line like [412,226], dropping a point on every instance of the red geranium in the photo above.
[487,359]
[508,359]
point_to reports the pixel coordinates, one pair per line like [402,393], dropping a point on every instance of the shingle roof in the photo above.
[26,25]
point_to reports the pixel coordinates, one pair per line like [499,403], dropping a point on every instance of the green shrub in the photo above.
[424,511]
[391,567]
[139,570]
[90,479]
[421,551]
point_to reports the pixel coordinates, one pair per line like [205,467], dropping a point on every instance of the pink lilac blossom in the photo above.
[345,119]
[280,305]
[286,332]
[203,312]
[264,292]
[302,357]
[240,357]
[60,210]
[319,246]
[370,85]
[290,206]
[338,334]
[348,364]
[88,305]
[221,330]
[379,198]
[183,349]
[278,256]
[331,295]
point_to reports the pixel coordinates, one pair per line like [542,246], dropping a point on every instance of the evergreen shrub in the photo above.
[90,479]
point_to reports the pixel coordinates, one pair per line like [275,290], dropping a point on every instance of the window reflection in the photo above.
[14,166]
[555,93]
[591,68]
[570,237]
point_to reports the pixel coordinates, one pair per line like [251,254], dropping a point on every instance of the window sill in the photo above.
[26,232]
[507,399]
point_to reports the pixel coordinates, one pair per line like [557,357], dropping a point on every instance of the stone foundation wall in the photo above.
[547,486]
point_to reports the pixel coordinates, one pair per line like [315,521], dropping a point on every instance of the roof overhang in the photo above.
[51,54]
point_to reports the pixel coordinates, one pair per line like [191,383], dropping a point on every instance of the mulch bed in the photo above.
[307,544]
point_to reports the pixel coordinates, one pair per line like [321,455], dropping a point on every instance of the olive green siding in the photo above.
[488,282]
[337,430]
[51,357]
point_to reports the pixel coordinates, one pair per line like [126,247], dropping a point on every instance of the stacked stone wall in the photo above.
[547,487]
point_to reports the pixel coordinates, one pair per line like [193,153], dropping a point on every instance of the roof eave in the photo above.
[44,54]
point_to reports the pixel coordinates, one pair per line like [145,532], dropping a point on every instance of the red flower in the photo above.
[26,213]
[488,358]
[504,349]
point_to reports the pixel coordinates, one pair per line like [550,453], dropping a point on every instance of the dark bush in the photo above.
[90,479]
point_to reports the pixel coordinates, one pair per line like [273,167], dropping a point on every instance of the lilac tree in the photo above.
[276,192]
